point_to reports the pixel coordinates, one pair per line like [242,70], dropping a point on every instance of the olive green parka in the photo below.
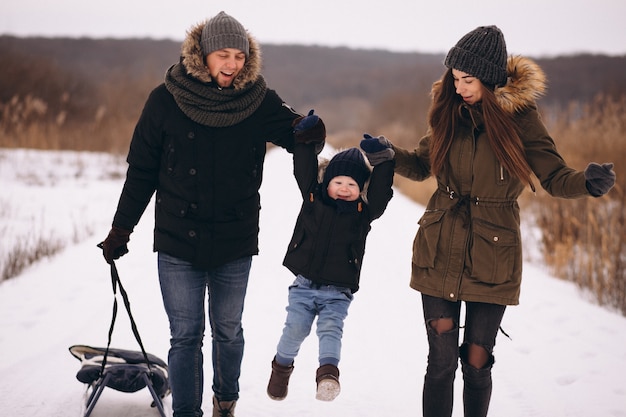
[468,245]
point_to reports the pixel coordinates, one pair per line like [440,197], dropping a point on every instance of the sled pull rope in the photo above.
[115,282]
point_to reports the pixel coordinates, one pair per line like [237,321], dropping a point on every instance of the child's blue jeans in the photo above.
[307,300]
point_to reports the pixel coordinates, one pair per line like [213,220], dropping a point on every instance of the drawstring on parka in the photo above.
[462,206]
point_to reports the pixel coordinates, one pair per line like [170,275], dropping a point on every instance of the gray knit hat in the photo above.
[224,31]
[482,54]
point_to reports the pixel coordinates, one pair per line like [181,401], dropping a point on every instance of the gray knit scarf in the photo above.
[210,106]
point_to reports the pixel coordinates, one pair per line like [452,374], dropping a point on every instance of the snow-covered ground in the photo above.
[566,356]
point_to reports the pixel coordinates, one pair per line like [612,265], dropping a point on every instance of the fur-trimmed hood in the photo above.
[193,60]
[526,82]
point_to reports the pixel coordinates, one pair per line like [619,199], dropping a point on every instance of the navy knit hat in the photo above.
[224,31]
[350,163]
[482,54]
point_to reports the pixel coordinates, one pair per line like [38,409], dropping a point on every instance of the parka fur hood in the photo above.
[526,83]
[193,59]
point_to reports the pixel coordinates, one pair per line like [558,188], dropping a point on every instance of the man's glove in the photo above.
[114,246]
[600,178]
[309,129]
[377,149]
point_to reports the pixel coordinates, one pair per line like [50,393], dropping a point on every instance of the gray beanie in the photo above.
[482,54]
[224,31]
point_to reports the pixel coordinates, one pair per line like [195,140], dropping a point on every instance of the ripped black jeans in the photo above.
[482,322]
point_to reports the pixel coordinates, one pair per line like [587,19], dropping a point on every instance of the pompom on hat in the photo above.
[351,163]
[482,54]
[224,31]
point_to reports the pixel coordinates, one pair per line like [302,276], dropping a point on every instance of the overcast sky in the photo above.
[531,27]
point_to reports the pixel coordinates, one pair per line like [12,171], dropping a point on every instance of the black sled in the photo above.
[120,369]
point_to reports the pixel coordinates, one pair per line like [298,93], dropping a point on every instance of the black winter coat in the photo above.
[206,179]
[328,244]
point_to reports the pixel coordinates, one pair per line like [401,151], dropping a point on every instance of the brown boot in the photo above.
[223,408]
[279,380]
[327,378]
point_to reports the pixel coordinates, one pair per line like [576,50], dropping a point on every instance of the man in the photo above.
[200,144]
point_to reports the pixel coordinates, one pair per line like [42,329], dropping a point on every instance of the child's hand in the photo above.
[377,149]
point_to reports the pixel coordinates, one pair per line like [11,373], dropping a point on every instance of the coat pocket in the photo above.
[427,238]
[173,206]
[493,252]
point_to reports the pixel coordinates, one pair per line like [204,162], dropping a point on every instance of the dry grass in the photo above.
[23,253]
[584,241]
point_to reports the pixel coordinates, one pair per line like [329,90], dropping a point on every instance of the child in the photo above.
[326,253]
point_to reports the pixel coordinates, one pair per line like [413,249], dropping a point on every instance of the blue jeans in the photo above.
[184,288]
[482,322]
[306,301]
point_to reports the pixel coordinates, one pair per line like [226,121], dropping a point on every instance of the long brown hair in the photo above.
[502,131]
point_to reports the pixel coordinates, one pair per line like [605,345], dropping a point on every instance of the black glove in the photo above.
[114,246]
[377,149]
[600,178]
[309,129]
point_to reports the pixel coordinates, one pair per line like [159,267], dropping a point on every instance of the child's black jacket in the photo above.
[328,242]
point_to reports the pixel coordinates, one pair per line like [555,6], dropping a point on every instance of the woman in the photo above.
[484,142]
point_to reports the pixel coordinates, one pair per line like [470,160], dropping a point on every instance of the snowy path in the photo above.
[566,356]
